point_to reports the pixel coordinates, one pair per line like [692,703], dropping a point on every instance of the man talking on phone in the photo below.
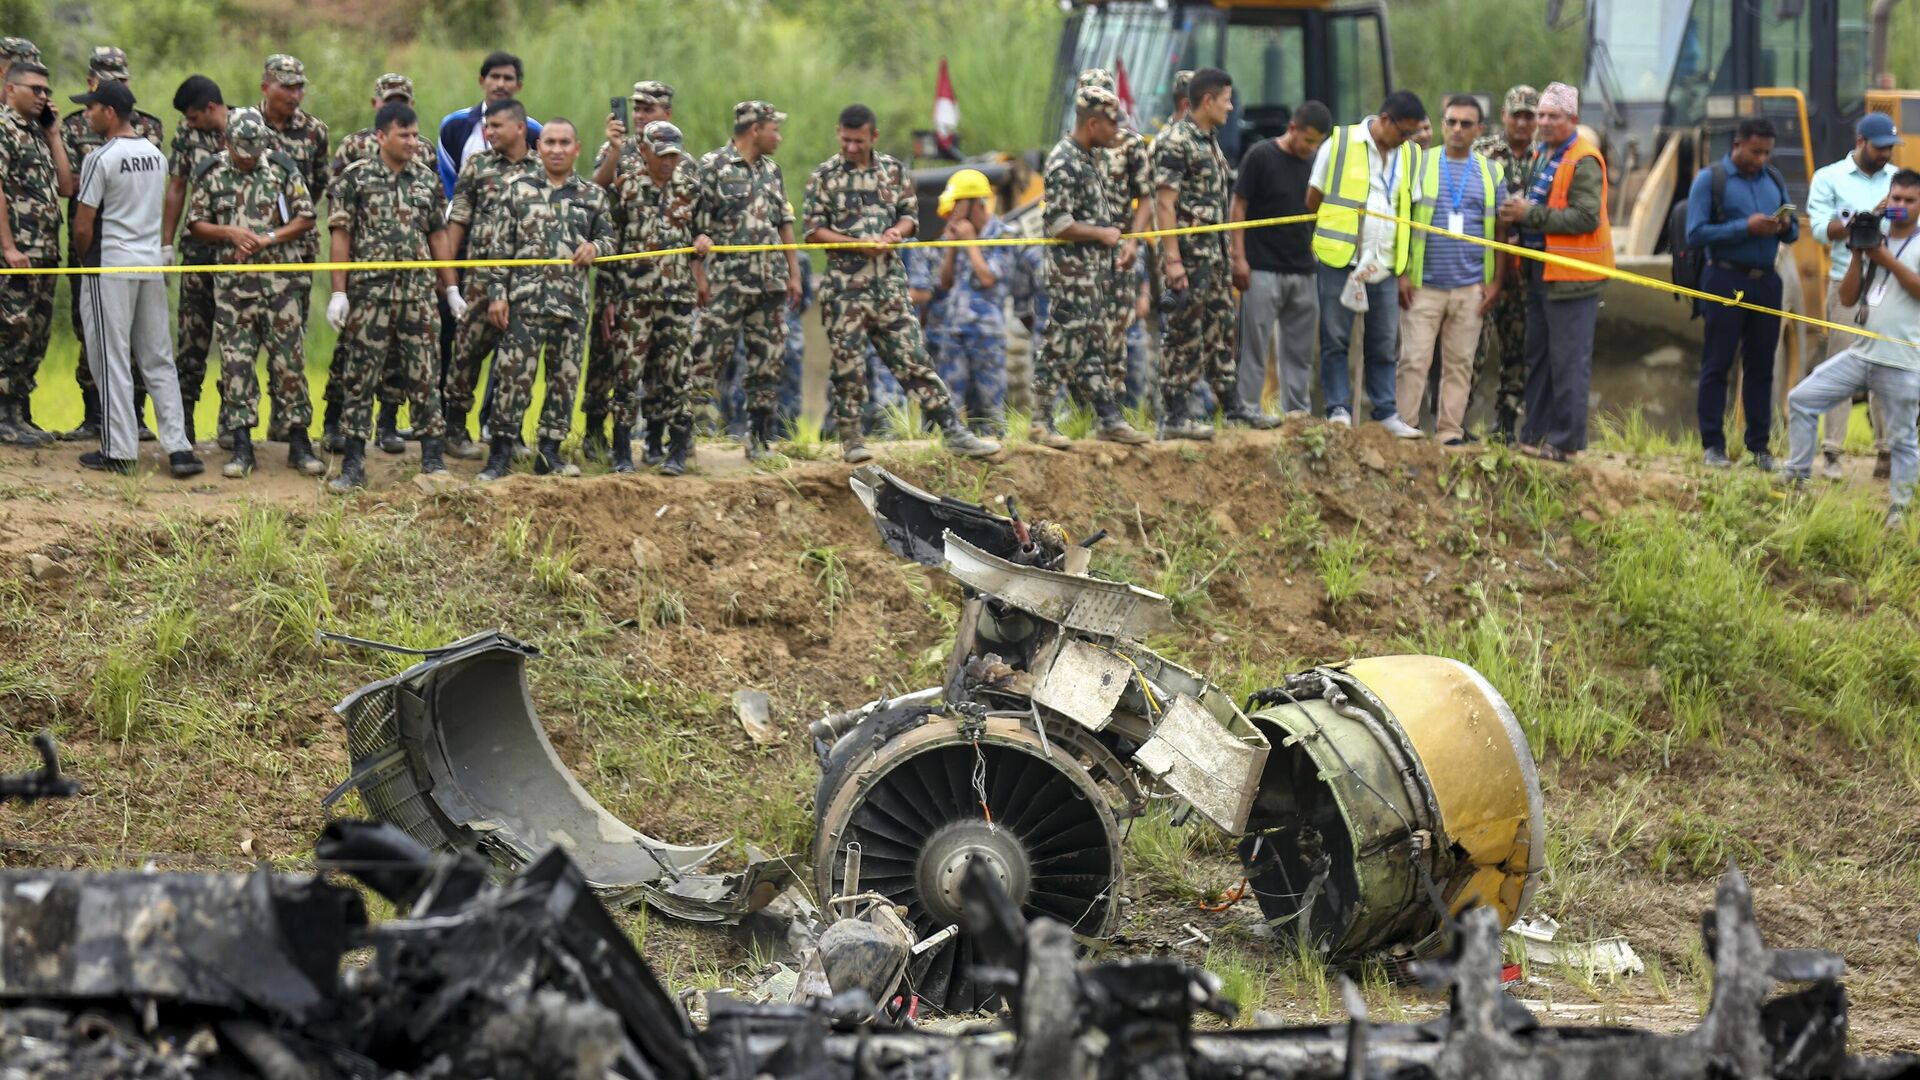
[1738,211]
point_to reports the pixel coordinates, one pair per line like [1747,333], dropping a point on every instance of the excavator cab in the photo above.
[1279,53]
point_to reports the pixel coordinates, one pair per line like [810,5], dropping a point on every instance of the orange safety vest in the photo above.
[1595,247]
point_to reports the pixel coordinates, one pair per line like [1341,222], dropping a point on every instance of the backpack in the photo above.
[1688,261]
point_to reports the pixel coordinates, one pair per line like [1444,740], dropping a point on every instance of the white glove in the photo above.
[337,311]
[166,255]
[455,302]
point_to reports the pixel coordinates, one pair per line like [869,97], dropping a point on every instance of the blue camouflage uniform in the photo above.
[1027,288]
[968,331]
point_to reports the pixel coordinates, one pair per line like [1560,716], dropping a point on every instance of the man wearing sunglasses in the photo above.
[34,177]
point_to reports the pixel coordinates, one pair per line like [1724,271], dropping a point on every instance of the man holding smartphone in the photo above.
[1883,282]
[1738,210]
[34,176]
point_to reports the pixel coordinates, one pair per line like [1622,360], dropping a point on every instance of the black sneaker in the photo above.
[182,464]
[94,459]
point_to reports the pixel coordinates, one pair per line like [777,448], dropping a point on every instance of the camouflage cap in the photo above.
[650,92]
[19,48]
[664,138]
[1098,101]
[286,70]
[392,85]
[1181,80]
[246,132]
[753,112]
[108,62]
[1522,98]
[1099,77]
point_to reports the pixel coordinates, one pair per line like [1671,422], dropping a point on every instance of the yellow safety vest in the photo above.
[1430,195]
[1336,227]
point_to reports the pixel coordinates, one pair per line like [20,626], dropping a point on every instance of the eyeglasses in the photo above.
[39,91]
[1451,122]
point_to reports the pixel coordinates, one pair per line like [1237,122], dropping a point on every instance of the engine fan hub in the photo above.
[958,845]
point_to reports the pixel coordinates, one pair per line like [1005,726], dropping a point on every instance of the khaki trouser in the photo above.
[1453,317]
[1834,431]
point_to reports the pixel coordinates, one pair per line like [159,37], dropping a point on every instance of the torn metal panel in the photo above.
[1090,605]
[1084,683]
[451,751]
[912,520]
[1213,762]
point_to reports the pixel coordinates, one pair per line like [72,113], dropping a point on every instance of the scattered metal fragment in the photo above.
[450,751]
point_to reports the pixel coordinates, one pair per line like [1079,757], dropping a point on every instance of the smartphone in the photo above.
[619,110]
[1786,211]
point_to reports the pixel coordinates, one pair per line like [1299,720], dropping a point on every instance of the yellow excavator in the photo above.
[1666,82]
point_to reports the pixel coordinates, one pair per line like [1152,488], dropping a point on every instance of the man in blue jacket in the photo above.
[1741,230]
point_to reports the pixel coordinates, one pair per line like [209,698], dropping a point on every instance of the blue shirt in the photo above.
[456,128]
[1842,186]
[1728,240]
[1546,165]
[1451,263]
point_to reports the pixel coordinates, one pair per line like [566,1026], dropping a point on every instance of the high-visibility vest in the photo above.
[1595,247]
[1431,195]
[1337,224]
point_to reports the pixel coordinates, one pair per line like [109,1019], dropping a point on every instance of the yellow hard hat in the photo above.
[964,184]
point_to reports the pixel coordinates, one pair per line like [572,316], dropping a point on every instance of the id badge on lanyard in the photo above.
[1879,290]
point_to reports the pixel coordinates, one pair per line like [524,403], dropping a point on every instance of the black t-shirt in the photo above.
[1274,183]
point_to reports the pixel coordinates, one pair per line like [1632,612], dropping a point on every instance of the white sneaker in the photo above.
[1340,418]
[1401,429]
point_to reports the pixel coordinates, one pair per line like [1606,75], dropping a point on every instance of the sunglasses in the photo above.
[39,91]
[1451,122]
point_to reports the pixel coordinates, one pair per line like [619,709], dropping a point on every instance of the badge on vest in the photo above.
[1457,223]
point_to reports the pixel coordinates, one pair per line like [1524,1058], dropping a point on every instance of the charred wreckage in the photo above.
[966,856]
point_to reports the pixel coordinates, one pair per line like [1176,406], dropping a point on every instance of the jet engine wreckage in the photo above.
[187,976]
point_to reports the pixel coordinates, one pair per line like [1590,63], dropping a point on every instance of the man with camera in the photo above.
[1882,283]
[34,176]
[1855,183]
[1738,210]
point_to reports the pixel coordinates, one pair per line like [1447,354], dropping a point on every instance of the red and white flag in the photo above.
[946,111]
[1123,91]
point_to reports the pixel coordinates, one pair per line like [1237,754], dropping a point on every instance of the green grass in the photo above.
[1343,564]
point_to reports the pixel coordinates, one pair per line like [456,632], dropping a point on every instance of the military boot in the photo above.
[547,460]
[387,433]
[499,459]
[459,443]
[1042,434]
[300,454]
[89,418]
[853,451]
[1176,420]
[622,448]
[760,436]
[240,465]
[433,461]
[593,445]
[186,424]
[679,445]
[1113,426]
[1506,423]
[10,425]
[330,435]
[140,413]
[353,468]
[24,421]
[960,439]
[656,438]
[1243,415]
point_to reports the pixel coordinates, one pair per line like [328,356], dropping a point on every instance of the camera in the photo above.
[1863,230]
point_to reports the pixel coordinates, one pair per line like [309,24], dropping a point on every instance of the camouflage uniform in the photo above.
[1128,168]
[547,305]
[742,203]
[1504,331]
[303,139]
[477,195]
[33,211]
[110,63]
[652,338]
[967,328]
[193,330]
[1078,277]
[865,299]
[388,216]
[1198,339]
[256,311]
[730,396]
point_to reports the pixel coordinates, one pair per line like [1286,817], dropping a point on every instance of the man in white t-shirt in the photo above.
[1884,281]
[123,187]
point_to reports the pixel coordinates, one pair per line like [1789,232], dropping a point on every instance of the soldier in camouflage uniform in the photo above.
[303,138]
[1503,333]
[542,308]
[108,62]
[360,146]
[34,175]
[1128,170]
[1193,186]
[1079,274]
[199,137]
[477,192]
[861,196]
[387,209]
[651,101]
[741,200]
[652,338]
[247,203]
[967,331]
